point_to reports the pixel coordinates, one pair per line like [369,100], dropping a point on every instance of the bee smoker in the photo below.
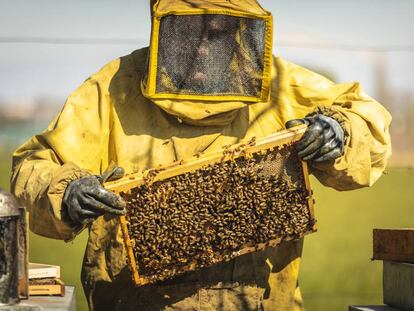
[13,250]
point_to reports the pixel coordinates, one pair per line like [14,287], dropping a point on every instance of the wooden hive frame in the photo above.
[129,182]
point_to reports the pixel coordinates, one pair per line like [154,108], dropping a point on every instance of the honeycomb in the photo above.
[217,212]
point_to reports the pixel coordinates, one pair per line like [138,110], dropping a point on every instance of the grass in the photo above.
[336,267]
[337,270]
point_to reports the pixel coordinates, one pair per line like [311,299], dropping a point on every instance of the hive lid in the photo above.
[8,204]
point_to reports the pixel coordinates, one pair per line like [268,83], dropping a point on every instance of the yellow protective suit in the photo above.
[108,119]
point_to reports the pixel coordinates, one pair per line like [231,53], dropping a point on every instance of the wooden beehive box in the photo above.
[394,244]
[214,207]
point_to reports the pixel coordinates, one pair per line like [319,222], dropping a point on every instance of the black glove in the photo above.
[323,139]
[85,199]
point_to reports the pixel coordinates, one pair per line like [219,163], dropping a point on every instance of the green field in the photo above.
[336,269]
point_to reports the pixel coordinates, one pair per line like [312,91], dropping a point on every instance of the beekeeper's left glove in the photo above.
[323,139]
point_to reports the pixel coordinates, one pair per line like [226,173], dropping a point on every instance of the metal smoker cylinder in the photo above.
[9,248]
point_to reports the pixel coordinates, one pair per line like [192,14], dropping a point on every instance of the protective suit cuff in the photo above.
[67,173]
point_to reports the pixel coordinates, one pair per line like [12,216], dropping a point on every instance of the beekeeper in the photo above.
[208,79]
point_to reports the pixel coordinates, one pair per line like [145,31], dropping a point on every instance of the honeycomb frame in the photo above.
[246,149]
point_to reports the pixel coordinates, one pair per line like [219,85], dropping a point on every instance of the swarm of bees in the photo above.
[201,218]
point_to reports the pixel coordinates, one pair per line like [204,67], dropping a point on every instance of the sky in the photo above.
[343,39]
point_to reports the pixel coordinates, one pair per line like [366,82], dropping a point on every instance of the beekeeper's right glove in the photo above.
[85,199]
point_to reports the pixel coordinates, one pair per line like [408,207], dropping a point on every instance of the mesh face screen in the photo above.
[210,55]
[208,216]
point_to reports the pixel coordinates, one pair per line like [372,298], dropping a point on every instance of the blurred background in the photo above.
[48,47]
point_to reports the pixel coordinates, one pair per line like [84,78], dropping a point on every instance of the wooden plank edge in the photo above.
[47,290]
[311,202]
[397,257]
[130,253]
[380,230]
[372,308]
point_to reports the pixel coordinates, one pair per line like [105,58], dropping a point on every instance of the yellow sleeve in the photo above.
[73,145]
[365,122]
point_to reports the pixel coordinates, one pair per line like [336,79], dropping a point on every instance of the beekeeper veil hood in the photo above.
[208,59]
